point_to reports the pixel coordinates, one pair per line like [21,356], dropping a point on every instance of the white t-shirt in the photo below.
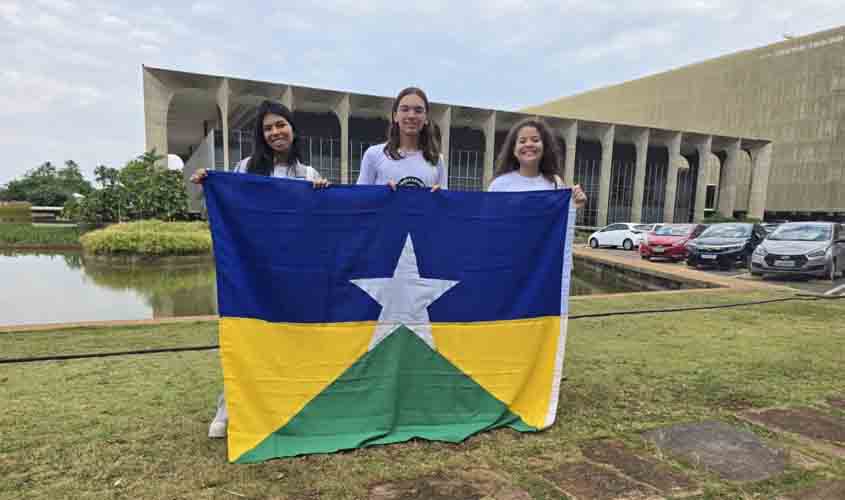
[299,171]
[514,181]
[411,170]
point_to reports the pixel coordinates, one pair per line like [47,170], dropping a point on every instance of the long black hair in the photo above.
[550,163]
[261,161]
[428,143]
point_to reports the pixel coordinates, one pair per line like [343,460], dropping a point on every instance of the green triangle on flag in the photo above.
[400,390]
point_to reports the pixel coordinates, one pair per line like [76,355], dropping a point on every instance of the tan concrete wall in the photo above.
[792,93]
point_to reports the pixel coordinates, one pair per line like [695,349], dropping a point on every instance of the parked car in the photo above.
[802,248]
[668,241]
[770,226]
[725,244]
[621,234]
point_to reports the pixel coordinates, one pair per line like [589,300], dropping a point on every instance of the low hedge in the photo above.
[149,238]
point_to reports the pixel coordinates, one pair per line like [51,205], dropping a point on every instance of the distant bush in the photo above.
[29,235]
[48,185]
[15,212]
[149,238]
[141,190]
[716,218]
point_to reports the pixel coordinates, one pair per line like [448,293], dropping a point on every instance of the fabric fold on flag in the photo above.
[356,316]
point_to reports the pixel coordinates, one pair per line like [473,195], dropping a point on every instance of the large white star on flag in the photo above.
[404,298]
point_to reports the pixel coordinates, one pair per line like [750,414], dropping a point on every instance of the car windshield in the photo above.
[682,230]
[727,231]
[801,232]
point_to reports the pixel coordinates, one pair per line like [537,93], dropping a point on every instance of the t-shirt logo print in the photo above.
[411,181]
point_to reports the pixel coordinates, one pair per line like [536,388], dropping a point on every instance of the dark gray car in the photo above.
[809,248]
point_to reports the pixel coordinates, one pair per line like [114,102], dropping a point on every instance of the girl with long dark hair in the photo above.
[411,154]
[530,161]
[277,154]
[277,148]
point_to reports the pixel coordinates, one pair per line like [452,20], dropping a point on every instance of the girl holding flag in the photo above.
[411,154]
[530,161]
[277,154]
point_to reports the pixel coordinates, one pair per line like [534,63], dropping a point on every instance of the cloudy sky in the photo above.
[70,70]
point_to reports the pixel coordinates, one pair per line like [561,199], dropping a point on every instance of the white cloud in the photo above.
[627,44]
[59,5]
[206,8]
[114,21]
[147,36]
[77,63]
[10,12]
[42,92]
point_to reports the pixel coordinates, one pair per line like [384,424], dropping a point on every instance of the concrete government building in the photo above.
[756,133]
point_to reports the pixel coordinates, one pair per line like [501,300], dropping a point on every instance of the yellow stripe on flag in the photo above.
[272,370]
[513,360]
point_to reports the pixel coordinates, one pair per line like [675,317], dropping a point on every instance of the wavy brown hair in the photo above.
[550,162]
[428,143]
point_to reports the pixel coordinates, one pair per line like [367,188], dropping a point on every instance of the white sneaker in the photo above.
[217,429]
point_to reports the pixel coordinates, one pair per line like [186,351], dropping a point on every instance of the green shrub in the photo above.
[152,237]
[140,190]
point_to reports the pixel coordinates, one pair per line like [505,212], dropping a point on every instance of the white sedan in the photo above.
[621,234]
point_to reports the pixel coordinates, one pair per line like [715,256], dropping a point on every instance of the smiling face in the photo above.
[277,133]
[529,146]
[411,114]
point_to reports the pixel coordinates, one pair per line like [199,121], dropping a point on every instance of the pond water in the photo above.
[59,287]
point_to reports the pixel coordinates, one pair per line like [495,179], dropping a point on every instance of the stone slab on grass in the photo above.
[731,453]
[586,481]
[644,469]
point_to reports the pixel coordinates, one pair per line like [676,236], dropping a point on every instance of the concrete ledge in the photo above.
[692,277]
[43,327]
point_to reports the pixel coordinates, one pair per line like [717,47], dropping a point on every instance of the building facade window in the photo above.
[466,170]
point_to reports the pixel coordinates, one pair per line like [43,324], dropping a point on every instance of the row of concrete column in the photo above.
[442,116]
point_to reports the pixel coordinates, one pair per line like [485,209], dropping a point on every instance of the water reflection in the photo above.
[56,287]
[39,287]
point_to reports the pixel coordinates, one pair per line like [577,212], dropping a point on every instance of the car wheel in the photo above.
[690,263]
[753,272]
[832,274]
[594,243]
[628,245]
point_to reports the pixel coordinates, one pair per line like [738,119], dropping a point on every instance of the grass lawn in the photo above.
[134,427]
[12,235]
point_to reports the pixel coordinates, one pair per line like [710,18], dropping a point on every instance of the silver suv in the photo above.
[810,248]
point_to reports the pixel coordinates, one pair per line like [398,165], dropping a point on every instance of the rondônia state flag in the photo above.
[354,316]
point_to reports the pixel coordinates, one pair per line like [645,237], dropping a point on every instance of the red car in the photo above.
[669,241]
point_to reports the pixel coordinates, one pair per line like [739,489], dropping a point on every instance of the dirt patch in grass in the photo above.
[586,480]
[803,421]
[642,468]
[838,402]
[474,484]
[826,490]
